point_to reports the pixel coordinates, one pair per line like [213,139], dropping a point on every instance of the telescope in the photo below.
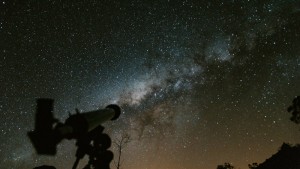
[49,131]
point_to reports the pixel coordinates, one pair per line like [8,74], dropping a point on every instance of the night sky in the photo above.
[200,83]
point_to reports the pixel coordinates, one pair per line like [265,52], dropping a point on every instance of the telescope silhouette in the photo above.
[48,131]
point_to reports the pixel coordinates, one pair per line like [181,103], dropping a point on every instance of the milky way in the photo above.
[199,83]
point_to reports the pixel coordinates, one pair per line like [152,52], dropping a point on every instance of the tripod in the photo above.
[95,145]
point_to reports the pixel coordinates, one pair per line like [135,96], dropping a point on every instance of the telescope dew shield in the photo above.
[95,118]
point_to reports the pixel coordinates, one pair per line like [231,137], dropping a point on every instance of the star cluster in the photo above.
[199,83]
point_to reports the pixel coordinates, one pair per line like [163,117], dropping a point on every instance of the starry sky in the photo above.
[200,83]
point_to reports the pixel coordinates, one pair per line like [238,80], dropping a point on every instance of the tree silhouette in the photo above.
[295,109]
[253,165]
[120,144]
[287,157]
[225,166]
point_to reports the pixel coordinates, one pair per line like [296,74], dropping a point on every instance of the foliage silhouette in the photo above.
[253,165]
[225,166]
[288,157]
[295,110]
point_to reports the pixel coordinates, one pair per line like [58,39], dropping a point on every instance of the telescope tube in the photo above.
[82,123]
